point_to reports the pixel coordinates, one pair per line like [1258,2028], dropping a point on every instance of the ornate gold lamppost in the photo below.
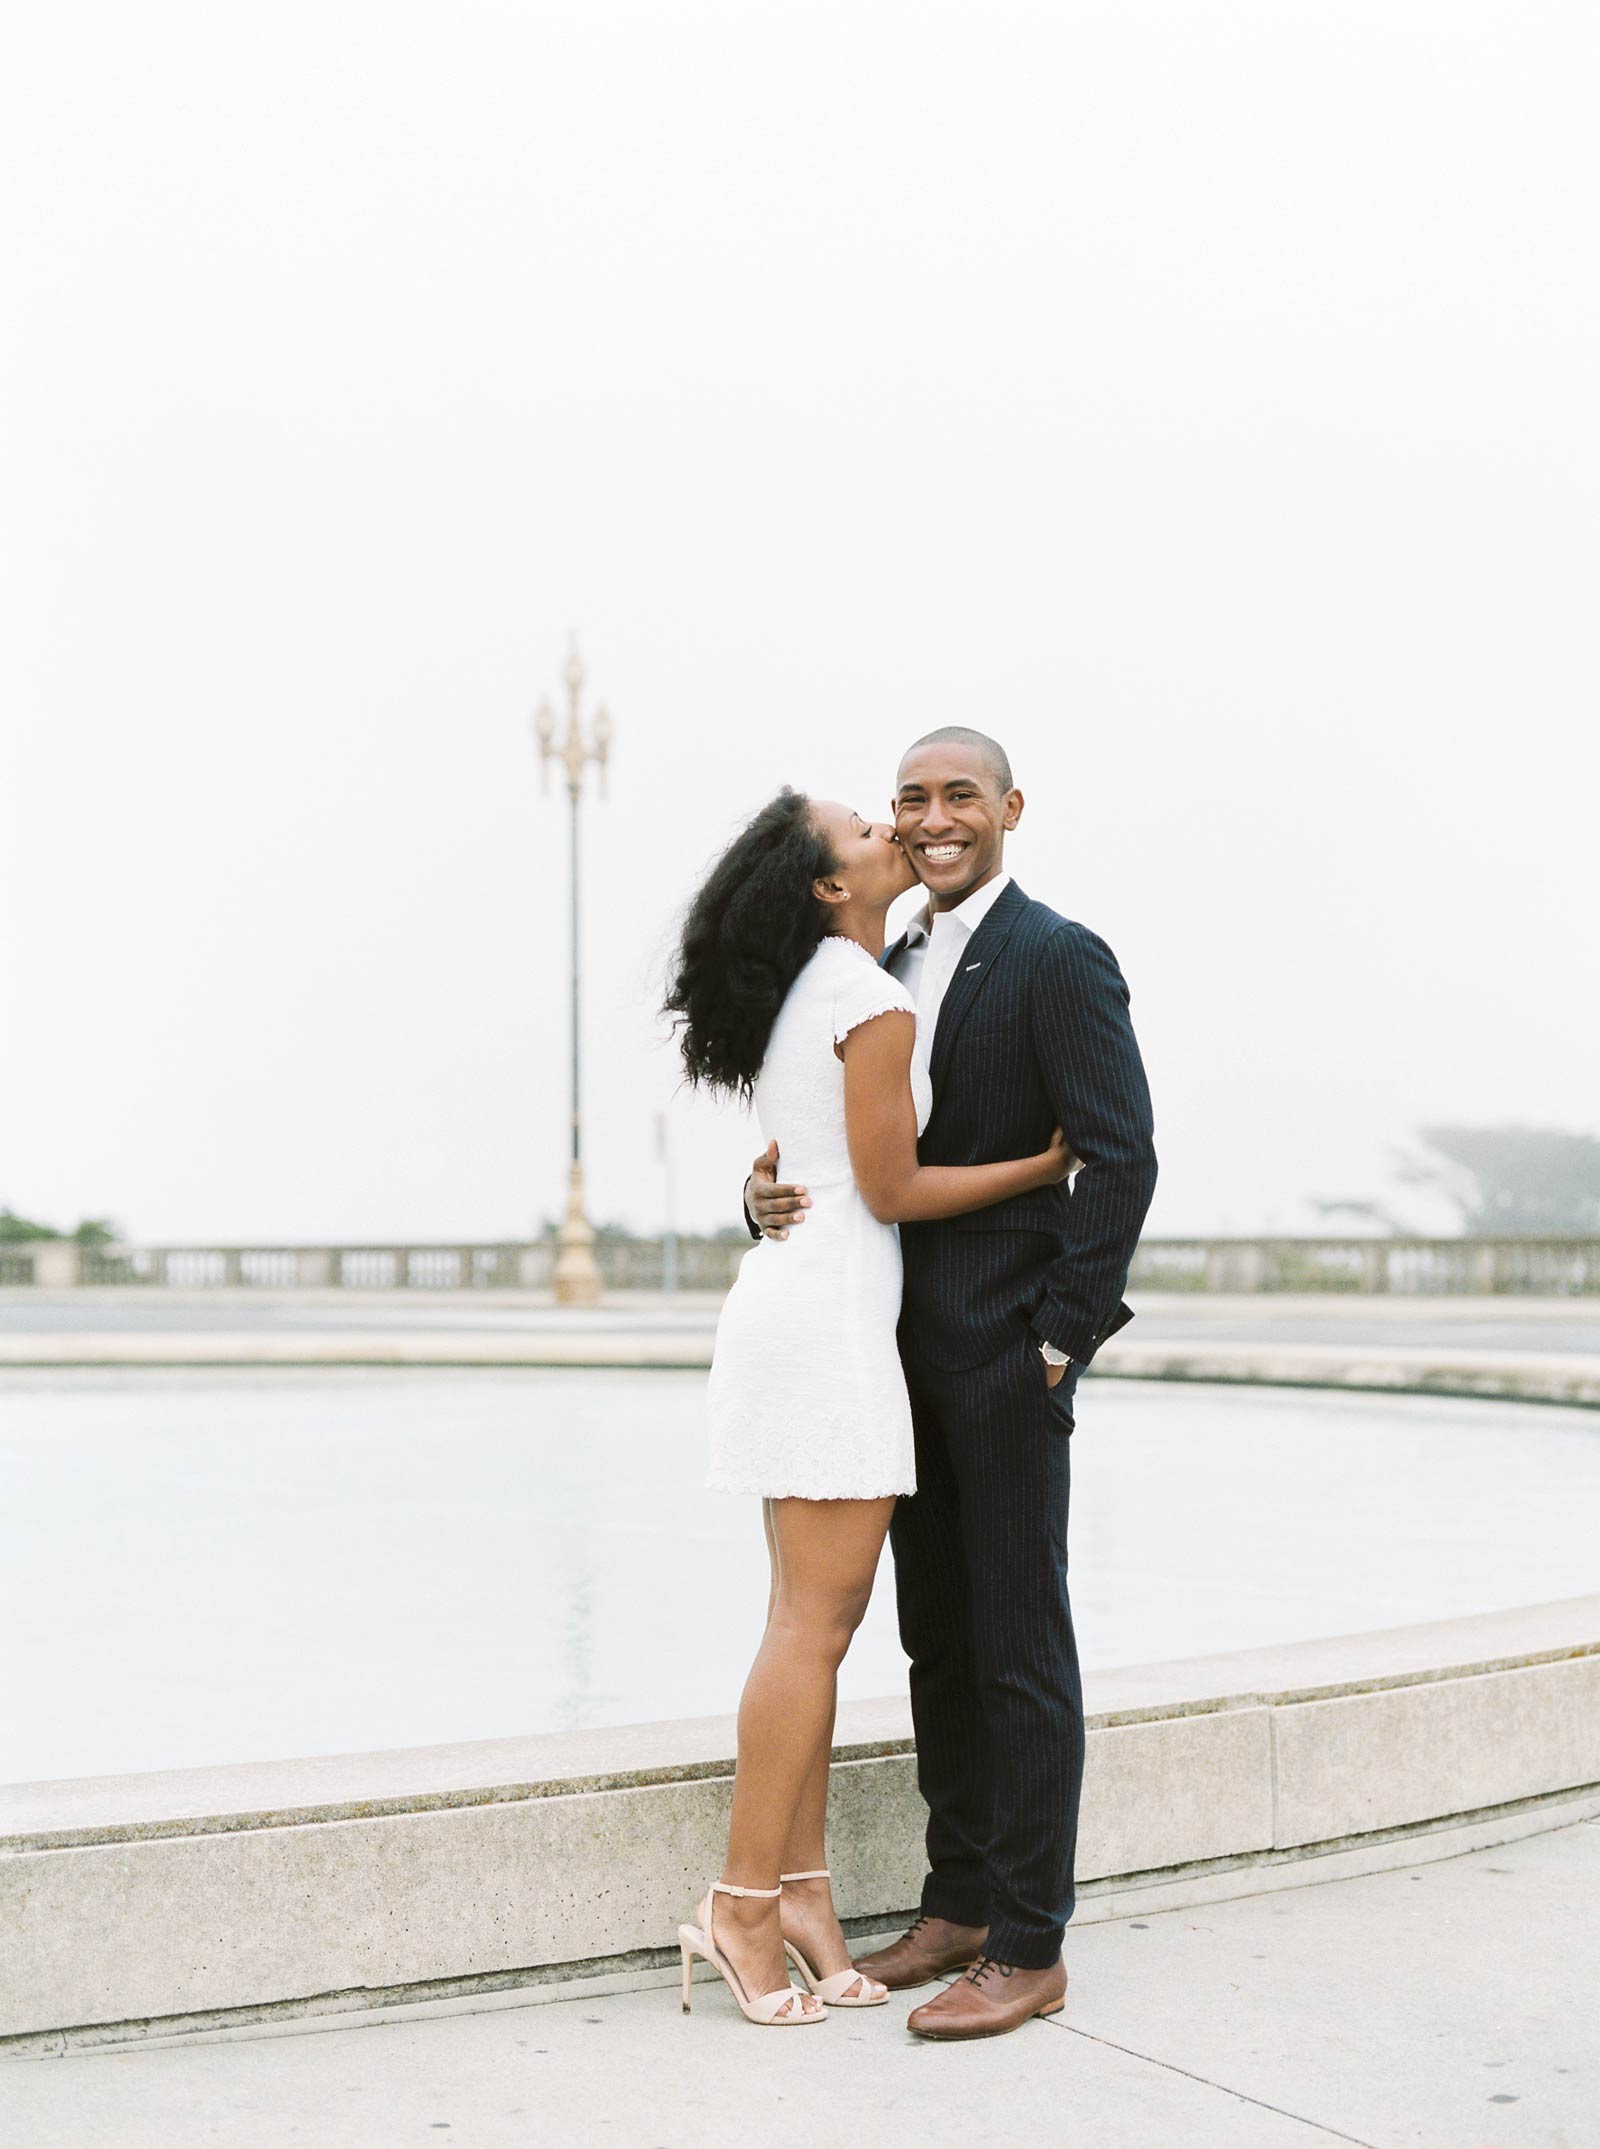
[577,1277]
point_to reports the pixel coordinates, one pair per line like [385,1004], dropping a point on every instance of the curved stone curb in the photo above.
[134,1906]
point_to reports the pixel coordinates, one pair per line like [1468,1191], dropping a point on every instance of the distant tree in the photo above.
[1502,1182]
[14,1228]
[616,1234]
[93,1231]
[605,1234]
[1512,1182]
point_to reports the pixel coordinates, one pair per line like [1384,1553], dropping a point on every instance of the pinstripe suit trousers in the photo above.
[980,1555]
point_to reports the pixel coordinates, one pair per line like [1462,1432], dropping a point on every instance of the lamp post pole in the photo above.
[577,1277]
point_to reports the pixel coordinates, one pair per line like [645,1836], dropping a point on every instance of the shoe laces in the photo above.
[986,1963]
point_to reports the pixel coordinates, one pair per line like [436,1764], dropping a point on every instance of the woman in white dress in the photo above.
[779,998]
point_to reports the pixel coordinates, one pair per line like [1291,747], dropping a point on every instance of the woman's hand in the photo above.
[1058,1160]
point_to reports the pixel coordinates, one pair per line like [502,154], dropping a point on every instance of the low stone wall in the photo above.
[147,1905]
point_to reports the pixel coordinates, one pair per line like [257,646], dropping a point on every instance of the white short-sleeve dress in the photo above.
[807,1399]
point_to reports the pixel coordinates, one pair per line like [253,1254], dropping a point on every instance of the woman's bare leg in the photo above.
[806,1912]
[804,1851]
[826,1553]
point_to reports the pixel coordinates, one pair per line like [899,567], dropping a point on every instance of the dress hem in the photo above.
[770,1492]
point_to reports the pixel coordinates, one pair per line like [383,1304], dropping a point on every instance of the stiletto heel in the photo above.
[773,2010]
[833,1991]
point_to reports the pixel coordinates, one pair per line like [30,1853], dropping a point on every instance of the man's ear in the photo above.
[1011,808]
[829,891]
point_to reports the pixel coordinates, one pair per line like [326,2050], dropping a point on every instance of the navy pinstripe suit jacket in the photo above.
[1033,1033]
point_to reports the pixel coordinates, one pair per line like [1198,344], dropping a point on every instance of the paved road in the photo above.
[1507,1324]
[1498,1324]
[287,1312]
[1440,2006]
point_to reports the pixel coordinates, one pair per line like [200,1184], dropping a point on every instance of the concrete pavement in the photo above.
[1438,2006]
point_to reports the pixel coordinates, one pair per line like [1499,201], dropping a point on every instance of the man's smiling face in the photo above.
[951,816]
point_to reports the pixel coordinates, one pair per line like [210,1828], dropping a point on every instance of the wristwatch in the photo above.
[1053,1357]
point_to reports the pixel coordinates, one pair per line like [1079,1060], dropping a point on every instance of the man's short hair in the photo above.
[995,759]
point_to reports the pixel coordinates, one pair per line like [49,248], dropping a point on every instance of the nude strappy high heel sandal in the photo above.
[771,2009]
[833,1991]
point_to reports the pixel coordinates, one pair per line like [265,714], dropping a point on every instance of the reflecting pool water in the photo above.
[217,1566]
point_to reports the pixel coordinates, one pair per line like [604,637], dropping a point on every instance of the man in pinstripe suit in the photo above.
[1023,1016]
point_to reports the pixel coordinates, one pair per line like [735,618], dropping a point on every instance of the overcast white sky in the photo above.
[1201,397]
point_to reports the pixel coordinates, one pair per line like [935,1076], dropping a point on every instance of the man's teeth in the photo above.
[941,853]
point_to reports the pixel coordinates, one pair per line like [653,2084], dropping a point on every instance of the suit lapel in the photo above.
[894,948]
[972,974]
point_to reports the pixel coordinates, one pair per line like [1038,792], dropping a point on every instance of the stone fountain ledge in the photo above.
[149,1906]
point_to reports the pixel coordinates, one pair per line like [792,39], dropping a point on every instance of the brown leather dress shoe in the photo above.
[932,1948]
[992,1998]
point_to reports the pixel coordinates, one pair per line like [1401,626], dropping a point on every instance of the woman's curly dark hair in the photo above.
[748,935]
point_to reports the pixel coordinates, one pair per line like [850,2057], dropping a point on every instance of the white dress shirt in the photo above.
[934,949]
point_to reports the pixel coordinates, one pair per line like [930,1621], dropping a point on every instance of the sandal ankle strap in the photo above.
[726,1887]
[821,1873]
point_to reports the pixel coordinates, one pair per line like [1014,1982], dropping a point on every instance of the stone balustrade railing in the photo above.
[625,1264]
[1553,1267]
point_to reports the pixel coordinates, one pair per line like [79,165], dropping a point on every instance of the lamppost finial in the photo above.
[575,751]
